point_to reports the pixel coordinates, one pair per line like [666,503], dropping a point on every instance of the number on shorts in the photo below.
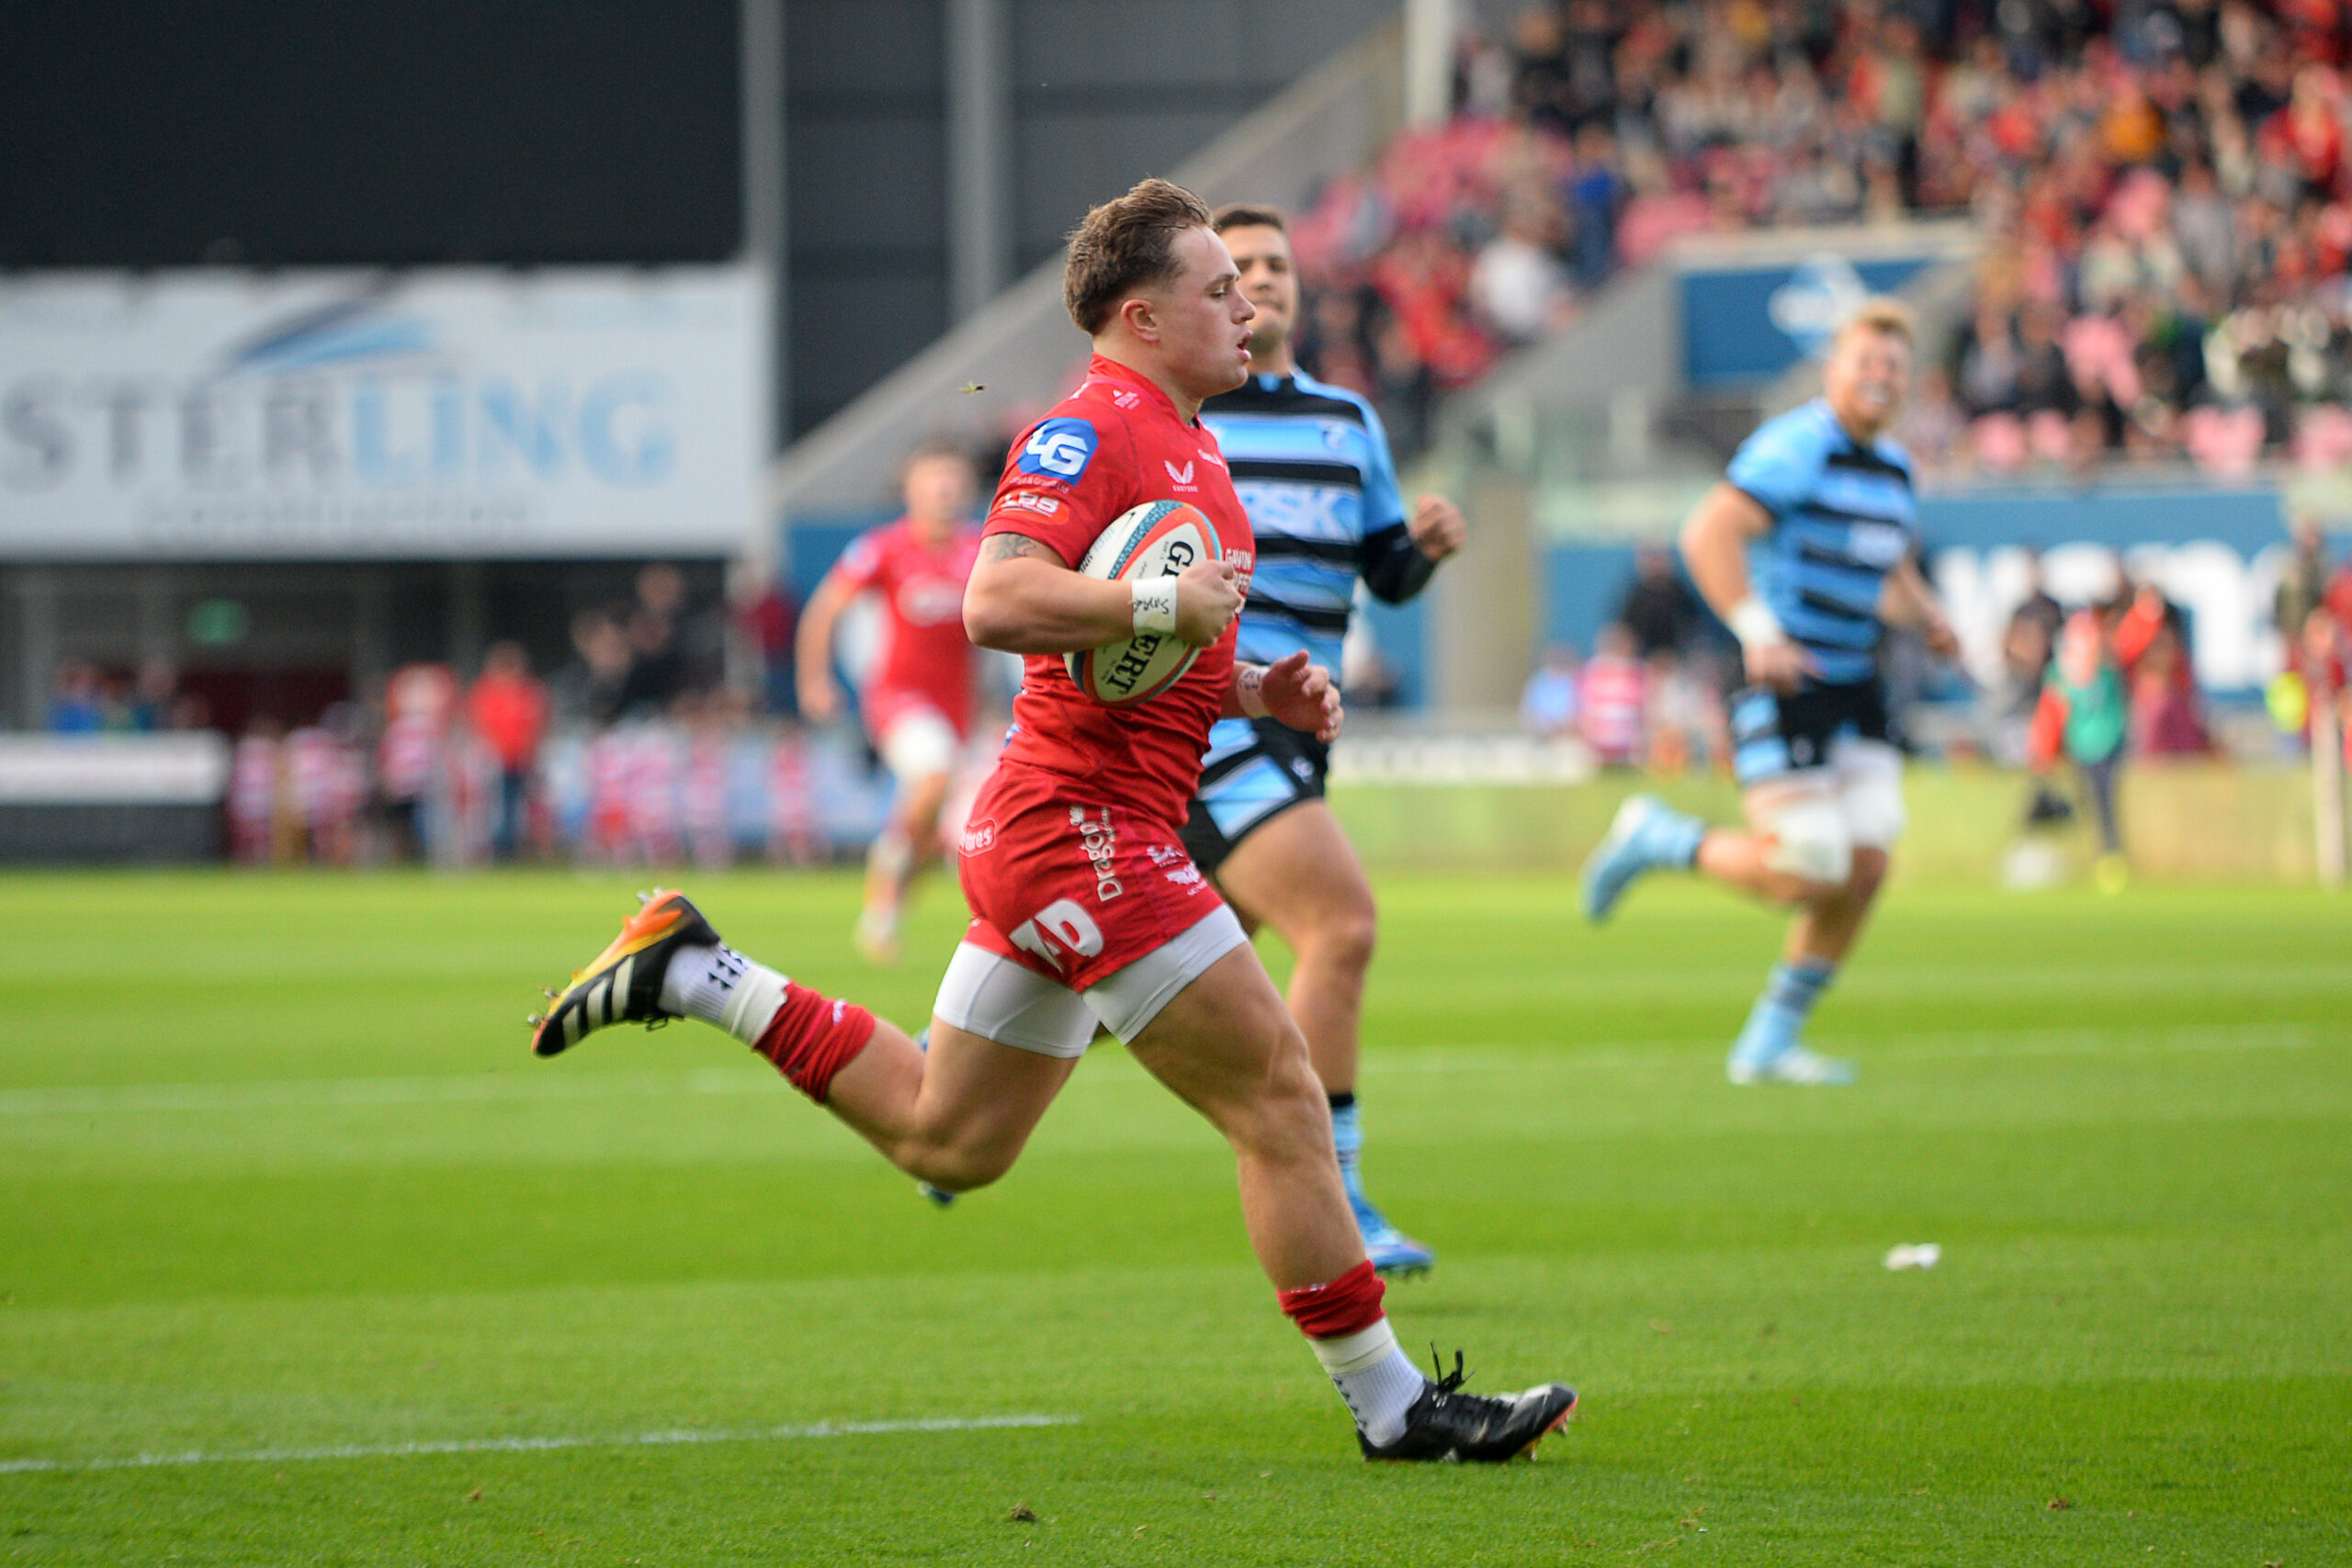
[1065,922]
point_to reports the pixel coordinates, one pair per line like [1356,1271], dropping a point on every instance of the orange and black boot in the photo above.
[624,984]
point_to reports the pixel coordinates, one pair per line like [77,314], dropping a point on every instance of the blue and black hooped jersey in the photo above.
[1843,516]
[1313,470]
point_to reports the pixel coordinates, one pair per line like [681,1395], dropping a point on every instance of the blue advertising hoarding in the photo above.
[2215,552]
[1743,325]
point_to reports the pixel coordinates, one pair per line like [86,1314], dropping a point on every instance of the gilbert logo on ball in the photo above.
[1160,539]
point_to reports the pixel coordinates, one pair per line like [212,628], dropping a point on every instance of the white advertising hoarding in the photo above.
[435,413]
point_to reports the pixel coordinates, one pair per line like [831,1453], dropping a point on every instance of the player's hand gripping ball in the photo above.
[1160,539]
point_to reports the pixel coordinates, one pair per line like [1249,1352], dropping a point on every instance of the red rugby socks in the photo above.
[813,1036]
[1350,1336]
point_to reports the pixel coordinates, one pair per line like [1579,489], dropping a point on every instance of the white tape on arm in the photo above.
[1155,601]
[1249,682]
[1752,621]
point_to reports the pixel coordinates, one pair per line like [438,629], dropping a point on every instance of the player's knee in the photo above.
[1345,938]
[1286,1114]
[1812,849]
[958,1163]
[957,1168]
[1869,873]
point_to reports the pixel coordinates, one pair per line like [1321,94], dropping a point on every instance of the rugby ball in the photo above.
[1160,539]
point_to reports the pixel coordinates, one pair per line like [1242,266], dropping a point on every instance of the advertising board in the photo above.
[445,413]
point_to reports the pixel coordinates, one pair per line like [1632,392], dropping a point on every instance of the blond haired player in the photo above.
[1819,501]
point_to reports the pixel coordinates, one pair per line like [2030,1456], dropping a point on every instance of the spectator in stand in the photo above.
[1685,722]
[1658,607]
[152,695]
[2152,645]
[79,707]
[2302,585]
[508,710]
[2082,713]
[590,688]
[1517,286]
[1597,195]
[1547,706]
[1612,698]
[325,787]
[254,789]
[765,621]
[417,703]
[2337,597]
[658,671]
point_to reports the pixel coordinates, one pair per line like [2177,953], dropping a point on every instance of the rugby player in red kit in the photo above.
[1087,908]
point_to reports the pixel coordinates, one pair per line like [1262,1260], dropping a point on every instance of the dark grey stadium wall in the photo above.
[546,132]
[1103,92]
[288,133]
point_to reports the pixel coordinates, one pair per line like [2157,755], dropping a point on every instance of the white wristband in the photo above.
[1154,601]
[1752,621]
[1249,682]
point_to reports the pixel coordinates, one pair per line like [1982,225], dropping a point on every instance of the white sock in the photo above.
[719,985]
[1373,1376]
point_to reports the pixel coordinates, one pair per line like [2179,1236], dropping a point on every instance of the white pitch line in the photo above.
[543,1444]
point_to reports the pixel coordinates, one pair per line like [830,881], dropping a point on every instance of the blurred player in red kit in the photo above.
[1087,908]
[918,702]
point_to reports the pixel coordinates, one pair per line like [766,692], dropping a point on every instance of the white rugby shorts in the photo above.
[986,994]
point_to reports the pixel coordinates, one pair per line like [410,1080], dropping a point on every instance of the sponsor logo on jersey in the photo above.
[931,602]
[1187,877]
[1880,544]
[1101,842]
[1183,476]
[1030,501]
[1209,457]
[1128,399]
[1059,448]
[978,837]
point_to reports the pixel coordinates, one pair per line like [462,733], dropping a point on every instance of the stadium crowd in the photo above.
[2162,189]
[667,736]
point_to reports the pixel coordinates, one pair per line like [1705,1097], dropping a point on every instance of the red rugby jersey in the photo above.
[925,654]
[1113,444]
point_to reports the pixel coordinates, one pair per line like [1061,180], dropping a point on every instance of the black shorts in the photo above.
[1256,770]
[1773,734]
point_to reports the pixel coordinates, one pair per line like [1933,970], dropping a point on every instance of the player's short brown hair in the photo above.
[1879,314]
[1126,244]
[1241,215]
[937,449]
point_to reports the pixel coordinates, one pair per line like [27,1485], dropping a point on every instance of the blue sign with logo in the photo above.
[1742,325]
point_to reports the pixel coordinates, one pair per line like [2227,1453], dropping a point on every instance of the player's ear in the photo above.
[1141,319]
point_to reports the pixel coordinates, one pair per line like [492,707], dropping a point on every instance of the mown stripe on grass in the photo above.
[542,1445]
[309,1094]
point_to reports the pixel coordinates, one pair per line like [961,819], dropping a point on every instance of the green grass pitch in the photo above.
[288,1207]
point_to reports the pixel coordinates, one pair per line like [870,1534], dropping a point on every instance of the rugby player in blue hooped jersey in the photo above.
[1312,469]
[1820,500]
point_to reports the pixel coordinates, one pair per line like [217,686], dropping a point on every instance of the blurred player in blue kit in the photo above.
[1312,469]
[1821,501]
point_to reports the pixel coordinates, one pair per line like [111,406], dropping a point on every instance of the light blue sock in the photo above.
[1347,1132]
[1779,1015]
[1672,838]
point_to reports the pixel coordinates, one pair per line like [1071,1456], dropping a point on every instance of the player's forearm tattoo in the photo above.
[1250,690]
[1004,546]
